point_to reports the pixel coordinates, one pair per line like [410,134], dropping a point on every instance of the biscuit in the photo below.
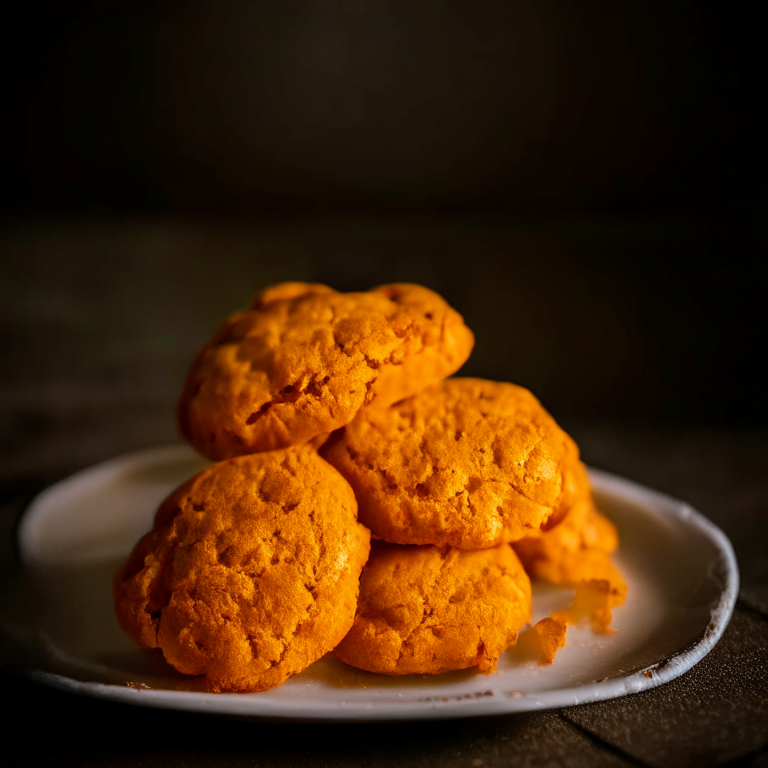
[304,359]
[582,527]
[426,610]
[250,573]
[467,463]
[578,548]
[576,553]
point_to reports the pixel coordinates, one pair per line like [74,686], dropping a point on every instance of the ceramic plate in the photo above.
[680,569]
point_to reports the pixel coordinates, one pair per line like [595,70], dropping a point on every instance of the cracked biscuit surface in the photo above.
[582,527]
[304,359]
[251,571]
[467,463]
[427,610]
[578,549]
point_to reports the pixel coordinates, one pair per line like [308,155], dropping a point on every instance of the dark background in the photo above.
[586,185]
[528,109]
[585,182]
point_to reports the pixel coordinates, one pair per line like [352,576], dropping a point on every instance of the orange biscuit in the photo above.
[250,573]
[304,359]
[426,610]
[578,548]
[576,553]
[467,463]
[582,527]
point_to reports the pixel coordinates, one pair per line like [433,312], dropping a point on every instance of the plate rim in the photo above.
[432,707]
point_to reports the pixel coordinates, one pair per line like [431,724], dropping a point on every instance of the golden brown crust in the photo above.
[251,572]
[577,548]
[467,463]
[285,291]
[427,610]
[304,359]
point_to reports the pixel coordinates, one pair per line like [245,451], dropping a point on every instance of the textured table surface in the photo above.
[98,325]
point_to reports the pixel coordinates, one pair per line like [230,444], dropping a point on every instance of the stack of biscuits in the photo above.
[332,421]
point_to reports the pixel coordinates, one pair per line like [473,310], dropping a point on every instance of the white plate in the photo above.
[680,568]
